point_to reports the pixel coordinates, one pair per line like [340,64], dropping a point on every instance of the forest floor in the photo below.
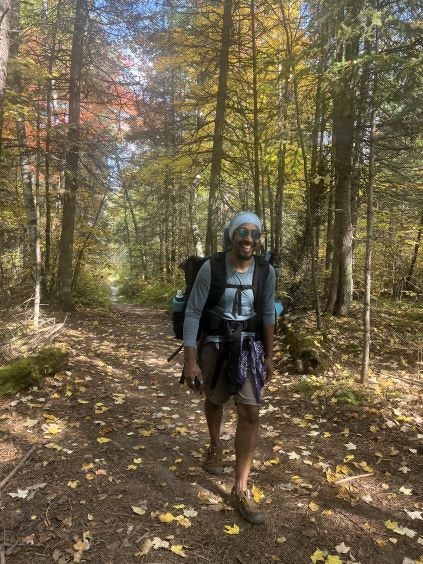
[115,446]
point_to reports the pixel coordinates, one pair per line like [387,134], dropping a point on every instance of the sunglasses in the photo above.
[243,232]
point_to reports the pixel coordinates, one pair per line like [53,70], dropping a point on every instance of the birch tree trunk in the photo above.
[5,9]
[199,251]
[30,204]
[64,272]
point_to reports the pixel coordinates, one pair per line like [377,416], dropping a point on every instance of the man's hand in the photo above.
[191,372]
[268,370]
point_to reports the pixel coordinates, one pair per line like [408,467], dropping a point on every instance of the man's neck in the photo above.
[239,265]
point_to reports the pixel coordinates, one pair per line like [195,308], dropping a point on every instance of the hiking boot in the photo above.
[213,463]
[246,506]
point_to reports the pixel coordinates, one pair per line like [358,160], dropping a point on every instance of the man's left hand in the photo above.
[268,369]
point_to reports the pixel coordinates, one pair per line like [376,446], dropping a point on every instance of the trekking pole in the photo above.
[172,356]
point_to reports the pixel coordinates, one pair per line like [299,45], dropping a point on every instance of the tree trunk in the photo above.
[410,272]
[30,203]
[64,272]
[217,150]
[256,168]
[32,217]
[5,9]
[340,292]
[311,242]
[193,216]
[369,240]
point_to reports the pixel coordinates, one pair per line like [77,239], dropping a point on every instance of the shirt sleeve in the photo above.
[195,305]
[269,297]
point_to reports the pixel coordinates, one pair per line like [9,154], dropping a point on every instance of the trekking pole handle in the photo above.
[172,356]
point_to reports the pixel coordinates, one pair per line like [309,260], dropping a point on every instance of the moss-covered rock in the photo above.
[30,371]
[306,350]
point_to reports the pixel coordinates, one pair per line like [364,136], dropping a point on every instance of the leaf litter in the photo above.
[338,482]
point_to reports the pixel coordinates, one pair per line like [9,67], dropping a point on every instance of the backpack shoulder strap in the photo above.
[218,279]
[261,272]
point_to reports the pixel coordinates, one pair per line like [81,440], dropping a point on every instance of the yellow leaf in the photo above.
[132,466]
[318,556]
[89,476]
[83,401]
[183,521]
[52,429]
[349,457]
[166,517]
[258,494]
[103,440]
[313,506]
[178,460]
[179,506]
[274,461]
[177,549]
[88,466]
[392,525]
[341,468]
[331,476]
[181,430]
[138,510]
[327,512]
[146,433]
[137,460]
[333,560]
[365,466]
[234,530]
[326,435]
[73,484]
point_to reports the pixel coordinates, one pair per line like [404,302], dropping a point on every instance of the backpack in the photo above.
[217,286]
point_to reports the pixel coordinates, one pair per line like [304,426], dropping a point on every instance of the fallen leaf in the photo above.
[138,510]
[405,491]
[178,549]
[159,543]
[145,548]
[342,548]
[350,446]
[318,555]
[232,530]
[313,506]
[103,440]
[166,517]
[258,494]
[73,484]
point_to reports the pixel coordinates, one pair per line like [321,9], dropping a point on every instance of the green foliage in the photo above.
[93,290]
[153,292]
[338,390]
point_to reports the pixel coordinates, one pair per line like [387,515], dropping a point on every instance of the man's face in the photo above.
[245,240]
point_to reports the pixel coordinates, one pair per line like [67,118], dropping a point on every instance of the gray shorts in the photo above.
[207,358]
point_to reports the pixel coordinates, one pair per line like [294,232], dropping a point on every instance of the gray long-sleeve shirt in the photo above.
[226,308]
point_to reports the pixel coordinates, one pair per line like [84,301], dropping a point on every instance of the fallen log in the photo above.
[31,371]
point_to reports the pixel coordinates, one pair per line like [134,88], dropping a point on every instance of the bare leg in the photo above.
[245,442]
[214,414]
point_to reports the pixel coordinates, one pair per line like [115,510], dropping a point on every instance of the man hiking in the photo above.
[235,348]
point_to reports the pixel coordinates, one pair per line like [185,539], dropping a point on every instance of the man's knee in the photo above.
[248,414]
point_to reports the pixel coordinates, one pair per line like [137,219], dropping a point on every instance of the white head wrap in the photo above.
[243,217]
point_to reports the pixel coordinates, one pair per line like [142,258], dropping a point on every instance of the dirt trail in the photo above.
[117,466]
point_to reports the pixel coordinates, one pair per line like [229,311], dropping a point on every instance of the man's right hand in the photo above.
[191,372]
